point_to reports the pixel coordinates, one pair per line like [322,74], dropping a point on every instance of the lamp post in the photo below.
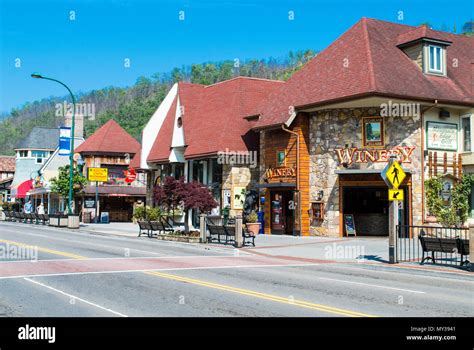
[71,153]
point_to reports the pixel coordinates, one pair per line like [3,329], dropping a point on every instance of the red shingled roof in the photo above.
[375,65]
[421,33]
[110,138]
[213,117]
[135,162]
[7,164]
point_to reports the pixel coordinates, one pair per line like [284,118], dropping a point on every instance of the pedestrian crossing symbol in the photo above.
[394,175]
[395,195]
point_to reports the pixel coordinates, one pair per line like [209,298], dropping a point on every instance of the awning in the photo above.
[19,191]
[117,191]
[275,185]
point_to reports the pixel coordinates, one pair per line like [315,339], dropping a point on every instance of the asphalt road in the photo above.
[80,274]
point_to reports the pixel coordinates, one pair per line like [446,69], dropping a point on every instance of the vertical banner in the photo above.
[64,141]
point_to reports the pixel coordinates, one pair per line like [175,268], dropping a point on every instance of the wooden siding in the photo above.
[280,140]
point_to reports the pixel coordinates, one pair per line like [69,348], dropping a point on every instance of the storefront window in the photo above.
[198,171]
[466,133]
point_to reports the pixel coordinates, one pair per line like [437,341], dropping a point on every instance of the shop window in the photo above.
[466,134]
[216,171]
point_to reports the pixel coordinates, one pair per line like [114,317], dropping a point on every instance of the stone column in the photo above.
[239,242]
[203,228]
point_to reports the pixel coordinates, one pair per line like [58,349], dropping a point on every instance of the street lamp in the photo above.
[71,153]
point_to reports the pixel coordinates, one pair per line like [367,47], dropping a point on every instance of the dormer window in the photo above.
[435,59]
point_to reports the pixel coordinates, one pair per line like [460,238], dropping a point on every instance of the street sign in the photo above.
[393,175]
[98,174]
[395,195]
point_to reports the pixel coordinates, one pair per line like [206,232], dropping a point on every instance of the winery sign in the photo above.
[347,156]
[273,173]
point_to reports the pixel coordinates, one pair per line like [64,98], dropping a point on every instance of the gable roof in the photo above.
[374,66]
[213,118]
[7,164]
[109,138]
[41,138]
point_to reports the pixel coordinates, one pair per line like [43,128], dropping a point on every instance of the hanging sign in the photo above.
[64,141]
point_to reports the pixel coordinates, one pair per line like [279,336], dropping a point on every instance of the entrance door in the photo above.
[282,216]
[369,206]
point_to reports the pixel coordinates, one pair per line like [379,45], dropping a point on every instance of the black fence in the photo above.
[434,245]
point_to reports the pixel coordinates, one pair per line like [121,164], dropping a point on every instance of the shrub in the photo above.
[252,217]
[147,213]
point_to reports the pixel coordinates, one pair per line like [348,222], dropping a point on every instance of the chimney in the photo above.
[78,125]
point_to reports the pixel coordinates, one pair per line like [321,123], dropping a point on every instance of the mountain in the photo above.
[132,106]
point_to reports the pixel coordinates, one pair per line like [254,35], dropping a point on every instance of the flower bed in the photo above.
[181,236]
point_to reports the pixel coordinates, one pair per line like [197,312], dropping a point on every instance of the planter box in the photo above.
[58,221]
[185,239]
[73,221]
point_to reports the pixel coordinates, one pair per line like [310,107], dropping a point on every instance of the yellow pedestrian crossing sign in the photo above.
[395,195]
[393,175]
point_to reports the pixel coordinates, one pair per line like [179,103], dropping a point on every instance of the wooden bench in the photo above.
[436,245]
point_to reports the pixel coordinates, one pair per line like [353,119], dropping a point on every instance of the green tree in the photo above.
[60,184]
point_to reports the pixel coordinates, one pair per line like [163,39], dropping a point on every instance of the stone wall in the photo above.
[239,175]
[338,128]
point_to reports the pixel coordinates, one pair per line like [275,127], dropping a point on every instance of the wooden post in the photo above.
[435,164]
[203,228]
[445,163]
[430,164]
[460,165]
[455,167]
[239,242]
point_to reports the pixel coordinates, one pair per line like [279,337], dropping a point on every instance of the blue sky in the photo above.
[89,52]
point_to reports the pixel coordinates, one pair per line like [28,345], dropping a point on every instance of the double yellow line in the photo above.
[259,295]
[44,250]
[230,289]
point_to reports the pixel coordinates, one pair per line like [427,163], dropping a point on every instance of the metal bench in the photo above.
[463,250]
[144,226]
[167,224]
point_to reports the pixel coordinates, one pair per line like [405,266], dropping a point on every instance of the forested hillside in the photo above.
[132,106]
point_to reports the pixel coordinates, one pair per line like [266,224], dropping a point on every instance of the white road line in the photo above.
[151,270]
[371,285]
[75,297]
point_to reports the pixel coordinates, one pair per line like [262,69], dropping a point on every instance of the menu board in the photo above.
[349,224]
[442,136]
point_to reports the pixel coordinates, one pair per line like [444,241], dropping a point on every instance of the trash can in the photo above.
[104,217]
